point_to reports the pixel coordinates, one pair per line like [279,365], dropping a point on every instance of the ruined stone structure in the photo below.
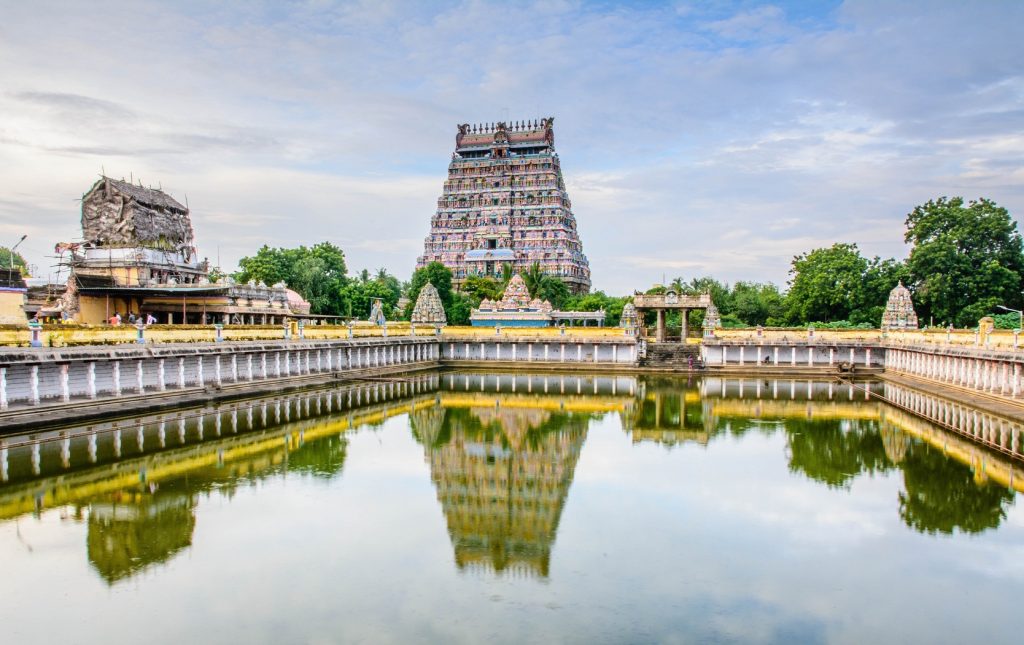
[138,256]
[118,214]
[429,310]
[899,310]
[505,204]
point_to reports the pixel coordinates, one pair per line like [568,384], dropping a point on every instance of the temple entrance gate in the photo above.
[670,300]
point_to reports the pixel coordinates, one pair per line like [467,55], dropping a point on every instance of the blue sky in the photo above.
[696,138]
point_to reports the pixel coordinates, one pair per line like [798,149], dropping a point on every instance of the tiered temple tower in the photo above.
[504,203]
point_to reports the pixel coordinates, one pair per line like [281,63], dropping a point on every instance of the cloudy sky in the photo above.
[696,138]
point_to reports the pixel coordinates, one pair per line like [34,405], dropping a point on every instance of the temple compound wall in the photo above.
[504,204]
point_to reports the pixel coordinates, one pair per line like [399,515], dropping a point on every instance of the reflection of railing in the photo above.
[78,463]
[965,433]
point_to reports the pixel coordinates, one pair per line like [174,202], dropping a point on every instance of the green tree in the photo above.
[507,271]
[546,287]
[357,295]
[19,261]
[317,273]
[599,300]
[479,288]
[462,305]
[965,259]
[827,284]
[755,303]
[533,276]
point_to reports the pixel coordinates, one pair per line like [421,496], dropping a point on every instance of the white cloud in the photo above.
[697,140]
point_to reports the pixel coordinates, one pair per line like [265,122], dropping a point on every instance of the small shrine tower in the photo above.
[899,310]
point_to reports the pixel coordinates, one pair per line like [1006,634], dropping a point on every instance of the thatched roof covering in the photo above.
[152,197]
[119,214]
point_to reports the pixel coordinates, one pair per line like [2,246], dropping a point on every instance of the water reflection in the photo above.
[502,451]
[502,469]
[130,531]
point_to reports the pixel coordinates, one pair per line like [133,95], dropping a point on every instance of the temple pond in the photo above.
[469,507]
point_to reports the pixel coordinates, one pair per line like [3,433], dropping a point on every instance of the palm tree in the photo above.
[507,271]
[534,279]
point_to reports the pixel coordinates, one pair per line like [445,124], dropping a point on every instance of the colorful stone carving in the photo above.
[428,309]
[899,310]
[712,320]
[505,205]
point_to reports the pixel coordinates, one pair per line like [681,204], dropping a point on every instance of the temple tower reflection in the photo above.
[502,475]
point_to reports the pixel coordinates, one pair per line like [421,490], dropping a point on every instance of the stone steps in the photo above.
[671,355]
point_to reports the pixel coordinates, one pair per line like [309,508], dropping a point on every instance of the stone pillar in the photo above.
[90,381]
[65,390]
[115,369]
[831,356]
[776,356]
[181,372]
[792,357]
[741,354]
[867,357]
[161,380]
[529,351]
[660,333]
[685,319]
[199,371]
[3,388]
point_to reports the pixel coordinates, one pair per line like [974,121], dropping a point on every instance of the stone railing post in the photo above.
[220,333]
[35,329]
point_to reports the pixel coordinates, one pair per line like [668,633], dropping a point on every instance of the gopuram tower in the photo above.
[504,203]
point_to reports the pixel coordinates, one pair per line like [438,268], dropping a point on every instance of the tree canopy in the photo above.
[964,261]
[318,273]
[19,261]
[840,284]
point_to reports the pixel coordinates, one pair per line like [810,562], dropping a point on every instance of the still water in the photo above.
[462,507]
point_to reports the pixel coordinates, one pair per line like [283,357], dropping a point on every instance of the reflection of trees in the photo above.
[502,475]
[127,535]
[322,458]
[942,495]
[834,451]
[137,528]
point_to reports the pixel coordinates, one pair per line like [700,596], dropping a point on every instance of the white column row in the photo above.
[35,383]
[994,376]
